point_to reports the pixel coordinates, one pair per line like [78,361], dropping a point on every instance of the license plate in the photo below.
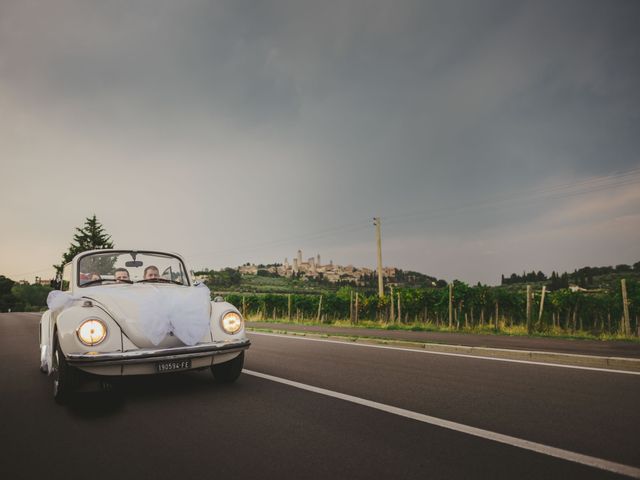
[173,365]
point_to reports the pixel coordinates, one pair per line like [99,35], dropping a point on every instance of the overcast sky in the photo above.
[490,136]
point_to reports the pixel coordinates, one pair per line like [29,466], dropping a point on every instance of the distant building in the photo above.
[313,269]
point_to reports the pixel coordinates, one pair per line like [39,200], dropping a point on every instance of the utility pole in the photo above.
[376,222]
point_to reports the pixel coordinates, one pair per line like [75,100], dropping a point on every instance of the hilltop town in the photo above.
[313,269]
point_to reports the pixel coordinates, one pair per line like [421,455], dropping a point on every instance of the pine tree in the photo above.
[90,237]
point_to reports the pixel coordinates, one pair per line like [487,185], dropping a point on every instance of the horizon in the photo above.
[506,275]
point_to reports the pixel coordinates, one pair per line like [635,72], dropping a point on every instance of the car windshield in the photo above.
[128,267]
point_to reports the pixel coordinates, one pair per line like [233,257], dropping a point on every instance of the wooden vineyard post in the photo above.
[289,306]
[529,309]
[357,304]
[497,325]
[393,317]
[399,308]
[626,327]
[351,317]
[244,307]
[544,289]
[450,306]
[319,309]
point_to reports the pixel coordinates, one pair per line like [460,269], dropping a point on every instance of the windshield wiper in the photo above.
[91,282]
[160,280]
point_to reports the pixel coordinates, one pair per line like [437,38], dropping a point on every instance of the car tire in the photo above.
[43,367]
[228,372]
[65,378]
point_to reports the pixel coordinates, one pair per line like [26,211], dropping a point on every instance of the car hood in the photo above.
[153,315]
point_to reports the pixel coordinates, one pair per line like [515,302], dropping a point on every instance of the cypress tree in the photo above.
[91,236]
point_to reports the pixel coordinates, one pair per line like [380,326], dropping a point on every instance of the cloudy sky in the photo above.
[490,136]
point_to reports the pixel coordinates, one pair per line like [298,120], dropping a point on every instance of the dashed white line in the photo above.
[567,455]
[449,354]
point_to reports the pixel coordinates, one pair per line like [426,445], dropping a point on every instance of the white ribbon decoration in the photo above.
[160,311]
[57,300]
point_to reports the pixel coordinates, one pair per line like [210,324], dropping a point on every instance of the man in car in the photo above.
[151,272]
[121,275]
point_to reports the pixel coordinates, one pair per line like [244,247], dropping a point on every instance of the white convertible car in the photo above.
[127,312]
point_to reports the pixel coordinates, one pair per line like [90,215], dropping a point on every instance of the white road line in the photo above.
[459,427]
[464,355]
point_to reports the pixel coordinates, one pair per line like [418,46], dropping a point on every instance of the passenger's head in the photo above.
[121,274]
[151,272]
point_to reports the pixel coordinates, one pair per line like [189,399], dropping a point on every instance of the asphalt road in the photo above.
[186,426]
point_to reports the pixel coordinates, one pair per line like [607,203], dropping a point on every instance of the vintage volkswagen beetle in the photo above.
[127,312]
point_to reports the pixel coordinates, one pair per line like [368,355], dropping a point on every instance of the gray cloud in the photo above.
[275,119]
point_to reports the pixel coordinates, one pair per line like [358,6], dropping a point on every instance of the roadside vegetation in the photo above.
[22,297]
[481,309]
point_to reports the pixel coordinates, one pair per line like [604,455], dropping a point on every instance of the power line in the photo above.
[552,192]
[288,240]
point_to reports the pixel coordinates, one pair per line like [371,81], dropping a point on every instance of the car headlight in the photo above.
[92,332]
[231,322]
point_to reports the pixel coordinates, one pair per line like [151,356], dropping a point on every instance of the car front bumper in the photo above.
[149,355]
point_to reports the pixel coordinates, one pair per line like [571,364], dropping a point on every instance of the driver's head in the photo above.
[121,274]
[151,272]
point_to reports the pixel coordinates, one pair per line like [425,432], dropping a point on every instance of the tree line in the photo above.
[22,297]
[583,277]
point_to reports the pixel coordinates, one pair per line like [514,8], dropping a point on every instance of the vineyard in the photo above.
[459,307]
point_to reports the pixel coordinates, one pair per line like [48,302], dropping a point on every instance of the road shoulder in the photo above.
[548,355]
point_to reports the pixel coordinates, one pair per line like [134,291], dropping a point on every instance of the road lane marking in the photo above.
[459,427]
[464,355]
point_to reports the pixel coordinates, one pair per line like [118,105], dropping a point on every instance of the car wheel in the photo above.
[65,378]
[228,372]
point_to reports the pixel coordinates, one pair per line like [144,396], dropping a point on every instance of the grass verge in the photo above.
[505,330]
